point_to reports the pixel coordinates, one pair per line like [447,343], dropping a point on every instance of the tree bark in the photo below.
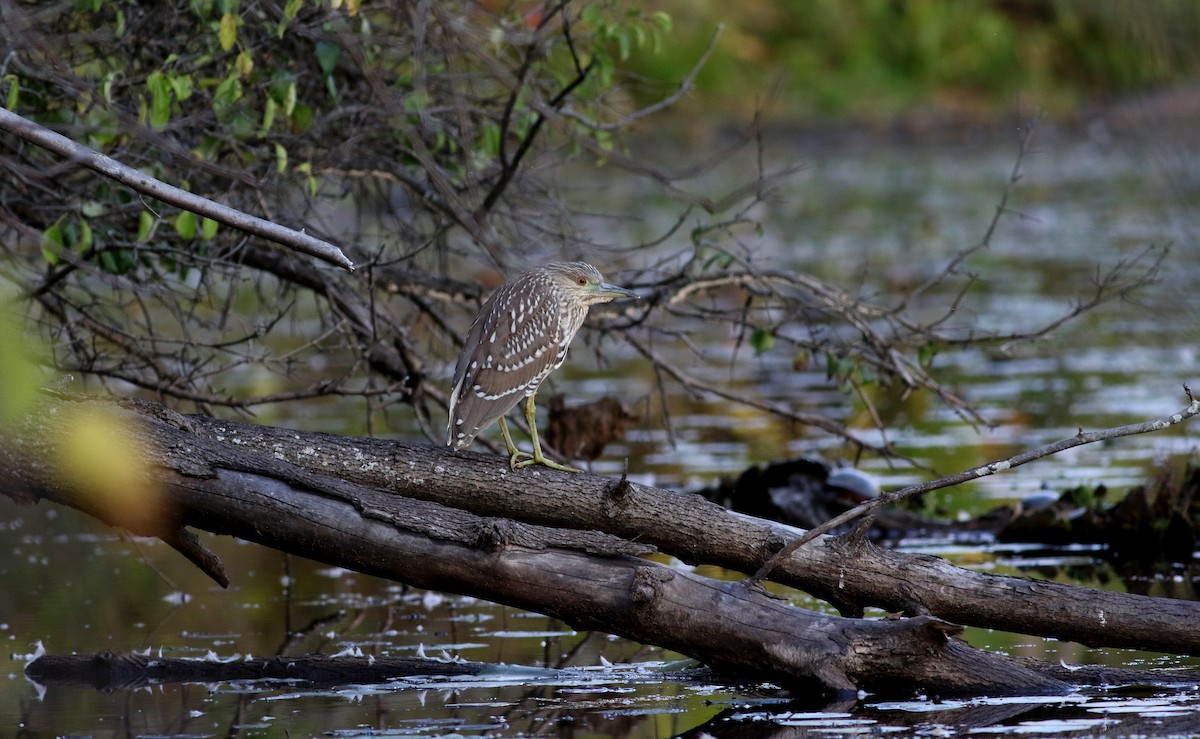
[847,571]
[305,494]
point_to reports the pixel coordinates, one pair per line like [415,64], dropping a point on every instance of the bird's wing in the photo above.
[512,346]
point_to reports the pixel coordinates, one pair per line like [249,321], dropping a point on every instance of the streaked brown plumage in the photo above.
[519,337]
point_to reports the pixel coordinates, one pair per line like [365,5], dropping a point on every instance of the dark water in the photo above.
[871,219]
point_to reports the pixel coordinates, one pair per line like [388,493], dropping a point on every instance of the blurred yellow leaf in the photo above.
[100,458]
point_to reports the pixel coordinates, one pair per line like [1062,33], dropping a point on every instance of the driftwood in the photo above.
[129,671]
[569,546]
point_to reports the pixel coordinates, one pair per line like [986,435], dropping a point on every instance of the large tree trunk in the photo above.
[570,545]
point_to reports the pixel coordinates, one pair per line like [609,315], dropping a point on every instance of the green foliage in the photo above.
[617,30]
[874,59]
[68,234]
[762,340]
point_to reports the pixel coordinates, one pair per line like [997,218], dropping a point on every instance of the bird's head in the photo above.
[584,283]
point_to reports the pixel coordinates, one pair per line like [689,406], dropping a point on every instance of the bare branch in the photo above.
[147,185]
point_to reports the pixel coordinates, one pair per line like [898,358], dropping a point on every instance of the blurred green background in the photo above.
[882,60]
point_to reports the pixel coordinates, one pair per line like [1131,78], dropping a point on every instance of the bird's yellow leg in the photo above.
[513,452]
[537,456]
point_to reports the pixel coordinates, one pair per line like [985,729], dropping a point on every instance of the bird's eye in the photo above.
[582,281]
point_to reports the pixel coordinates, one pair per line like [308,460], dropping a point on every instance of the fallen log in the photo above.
[243,480]
[847,571]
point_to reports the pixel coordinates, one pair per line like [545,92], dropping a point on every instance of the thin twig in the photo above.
[1029,455]
[684,87]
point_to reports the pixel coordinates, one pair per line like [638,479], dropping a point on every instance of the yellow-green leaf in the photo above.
[227,35]
[52,243]
[185,224]
[268,119]
[160,99]
[145,226]
[762,340]
[85,237]
[244,63]
[14,90]
[181,85]
[227,93]
[289,98]
[281,158]
[107,84]
[208,228]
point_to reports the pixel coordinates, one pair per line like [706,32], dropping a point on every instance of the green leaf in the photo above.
[268,118]
[292,9]
[926,353]
[244,63]
[14,90]
[302,118]
[160,99]
[761,340]
[117,261]
[639,37]
[623,44]
[106,86]
[327,56]
[145,226]
[227,34]
[833,366]
[52,243]
[227,93]
[181,85]
[281,158]
[84,240]
[306,168]
[185,224]
[289,98]
[208,228]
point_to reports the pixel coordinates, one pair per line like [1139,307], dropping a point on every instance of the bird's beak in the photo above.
[612,292]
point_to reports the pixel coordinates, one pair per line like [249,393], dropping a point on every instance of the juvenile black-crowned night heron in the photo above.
[519,338]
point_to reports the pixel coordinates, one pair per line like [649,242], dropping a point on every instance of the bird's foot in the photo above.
[539,459]
[516,454]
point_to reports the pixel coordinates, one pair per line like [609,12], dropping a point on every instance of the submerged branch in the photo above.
[1029,455]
